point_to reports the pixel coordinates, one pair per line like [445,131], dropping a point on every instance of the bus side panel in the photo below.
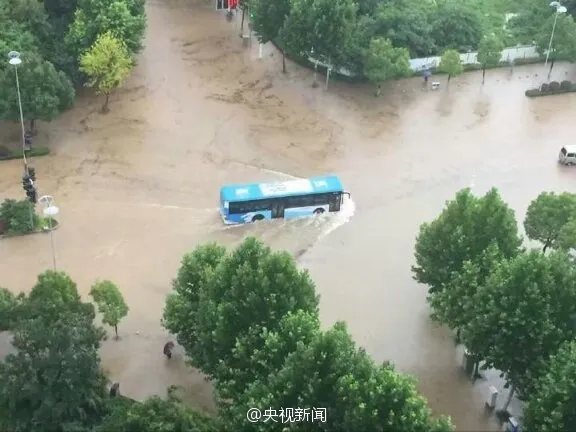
[298,212]
[247,217]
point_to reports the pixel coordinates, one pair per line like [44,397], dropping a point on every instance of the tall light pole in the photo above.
[14,60]
[559,10]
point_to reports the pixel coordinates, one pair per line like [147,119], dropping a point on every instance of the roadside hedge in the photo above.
[552,88]
[7,154]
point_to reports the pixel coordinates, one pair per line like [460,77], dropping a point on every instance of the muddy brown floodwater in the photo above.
[138,188]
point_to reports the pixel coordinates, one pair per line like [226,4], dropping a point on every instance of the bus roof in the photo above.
[256,191]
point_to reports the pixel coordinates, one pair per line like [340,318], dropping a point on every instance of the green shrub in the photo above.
[545,88]
[532,93]
[6,154]
[554,86]
[566,85]
[19,217]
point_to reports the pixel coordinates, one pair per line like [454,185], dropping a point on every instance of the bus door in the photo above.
[277,209]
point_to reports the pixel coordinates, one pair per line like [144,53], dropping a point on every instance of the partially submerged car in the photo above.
[567,155]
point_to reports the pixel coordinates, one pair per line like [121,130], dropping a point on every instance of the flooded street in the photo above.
[138,187]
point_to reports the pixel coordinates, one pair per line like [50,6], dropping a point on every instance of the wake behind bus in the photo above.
[252,202]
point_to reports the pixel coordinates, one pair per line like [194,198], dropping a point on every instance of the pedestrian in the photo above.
[168,347]
[115,390]
[426,74]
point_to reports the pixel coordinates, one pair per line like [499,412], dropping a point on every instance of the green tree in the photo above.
[45,92]
[332,373]
[451,64]
[110,303]
[464,229]
[8,304]
[523,313]
[406,23]
[19,216]
[181,311]
[549,219]
[107,64]
[457,26]
[15,37]
[489,53]
[156,415]
[454,305]
[383,62]
[30,14]
[250,287]
[125,19]
[268,20]
[552,407]
[267,350]
[564,43]
[320,28]
[54,382]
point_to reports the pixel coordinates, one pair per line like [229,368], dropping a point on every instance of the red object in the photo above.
[232,4]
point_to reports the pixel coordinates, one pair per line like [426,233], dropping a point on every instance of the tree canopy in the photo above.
[383,61]
[463,230]
[106,64]
[457,26]
[332,373]
[524,311]
[110,303]
[451,63]
[552,406]
[240,293]
[54,380]
[489,52]
[550,219]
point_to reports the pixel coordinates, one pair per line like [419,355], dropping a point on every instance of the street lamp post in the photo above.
[14,60]
[559,10]
[50,211]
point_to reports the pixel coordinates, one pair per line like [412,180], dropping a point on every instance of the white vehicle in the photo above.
[567,155]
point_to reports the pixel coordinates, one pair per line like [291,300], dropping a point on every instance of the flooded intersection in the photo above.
[138,188]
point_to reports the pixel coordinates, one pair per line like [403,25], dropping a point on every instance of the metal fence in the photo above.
[508,55]
[419,64]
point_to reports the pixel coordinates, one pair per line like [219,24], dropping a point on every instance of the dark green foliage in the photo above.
[221,300]
[8,154]
[552,407]
[54,381]
[19,216]
[45,92]
[155,415]
[331,372]
[522,314]
[457,26]
[549,217]
[464,229]
[8,306]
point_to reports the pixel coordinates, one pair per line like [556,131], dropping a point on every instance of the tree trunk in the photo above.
[378,89]
[510,396]
[32,127]
[475,371]
[315,83]
[483,74]
[546,246]
[242,22]
[458,336]
[116,331]
[551,66]
[449,76]
[105,106]
[283,61]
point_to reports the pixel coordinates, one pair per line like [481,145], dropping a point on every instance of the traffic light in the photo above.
[28,185]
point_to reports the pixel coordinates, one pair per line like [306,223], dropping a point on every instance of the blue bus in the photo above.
[246,203]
